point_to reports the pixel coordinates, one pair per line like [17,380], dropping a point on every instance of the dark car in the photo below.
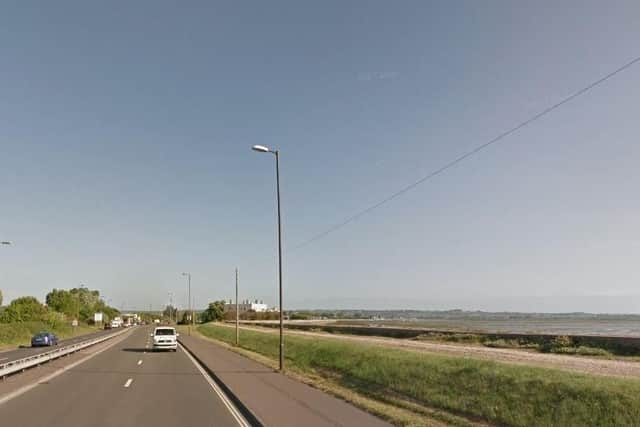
[107,325]
[44,339]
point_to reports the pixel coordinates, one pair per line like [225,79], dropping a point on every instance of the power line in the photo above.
[468,154]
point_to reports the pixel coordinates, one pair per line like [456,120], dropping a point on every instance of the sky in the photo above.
[126,127]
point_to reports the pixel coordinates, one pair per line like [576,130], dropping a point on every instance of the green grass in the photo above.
[495,392]
[15,334]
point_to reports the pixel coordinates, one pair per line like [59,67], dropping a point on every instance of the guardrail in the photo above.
[19,365]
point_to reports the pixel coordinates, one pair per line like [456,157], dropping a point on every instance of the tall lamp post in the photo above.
[263,149]
[189,292]
[5,243]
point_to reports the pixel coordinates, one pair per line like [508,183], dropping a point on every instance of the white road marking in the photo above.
[3,358]
[140,362]
[230,406]
[128,383]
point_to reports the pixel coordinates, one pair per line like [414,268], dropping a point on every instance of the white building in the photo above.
[246,305]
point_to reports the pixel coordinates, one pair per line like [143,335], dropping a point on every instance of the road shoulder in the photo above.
[273,398]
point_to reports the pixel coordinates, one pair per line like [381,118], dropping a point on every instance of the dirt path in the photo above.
[617,368]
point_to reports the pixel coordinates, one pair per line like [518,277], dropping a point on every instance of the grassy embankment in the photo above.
[15,334]
[477,389]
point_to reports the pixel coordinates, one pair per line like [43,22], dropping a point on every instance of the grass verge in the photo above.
[398,414]
[15,334]
[477,389]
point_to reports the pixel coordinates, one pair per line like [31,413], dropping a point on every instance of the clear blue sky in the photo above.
[125,130]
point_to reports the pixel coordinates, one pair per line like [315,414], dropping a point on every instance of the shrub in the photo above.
[557,345]
[25,309]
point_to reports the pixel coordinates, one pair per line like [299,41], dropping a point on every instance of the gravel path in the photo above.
[617,368]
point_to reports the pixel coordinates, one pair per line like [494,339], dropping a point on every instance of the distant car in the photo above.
[107,325]
[165,338]
[44,339]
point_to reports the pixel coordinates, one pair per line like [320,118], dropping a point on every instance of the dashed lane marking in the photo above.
[128,383]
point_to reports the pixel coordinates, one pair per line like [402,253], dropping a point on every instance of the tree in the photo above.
[170,312]
[62,301]
[215,312]
[86,301]
[79,303]
[185,318]
[0,297]
[108,312]
[24,309]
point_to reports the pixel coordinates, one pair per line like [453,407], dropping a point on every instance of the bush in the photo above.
[299,316]
[559,344]
[25,309]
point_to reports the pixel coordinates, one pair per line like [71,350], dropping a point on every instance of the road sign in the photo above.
[74,322]
[97,317]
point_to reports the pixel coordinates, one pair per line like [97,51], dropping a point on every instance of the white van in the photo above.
[165,338]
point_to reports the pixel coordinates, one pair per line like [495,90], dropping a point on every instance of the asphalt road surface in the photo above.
[125,385]
[19,353]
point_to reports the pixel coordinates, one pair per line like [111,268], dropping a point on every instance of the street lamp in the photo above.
[189,292]
[263,149]
[6,243]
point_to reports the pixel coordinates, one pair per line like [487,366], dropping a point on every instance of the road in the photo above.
[125,385]
[19,353]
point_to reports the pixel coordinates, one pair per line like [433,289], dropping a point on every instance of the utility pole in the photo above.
[170,307]
[237,312]
[189,296]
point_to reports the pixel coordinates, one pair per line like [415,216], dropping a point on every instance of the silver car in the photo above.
[165,338]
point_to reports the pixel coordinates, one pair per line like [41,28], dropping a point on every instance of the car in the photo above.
[107,325]
[44,339]
[165,338]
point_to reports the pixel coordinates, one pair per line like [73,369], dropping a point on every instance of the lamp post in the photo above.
[237,314]
[263,149]
[189,292]
[5,243]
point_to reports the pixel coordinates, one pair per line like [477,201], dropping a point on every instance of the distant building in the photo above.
[246,305]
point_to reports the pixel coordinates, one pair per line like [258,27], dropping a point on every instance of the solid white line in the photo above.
[128,383]
[140,362]
[8,397]
[230,406]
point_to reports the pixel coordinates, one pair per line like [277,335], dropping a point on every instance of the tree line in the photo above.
[60,305]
